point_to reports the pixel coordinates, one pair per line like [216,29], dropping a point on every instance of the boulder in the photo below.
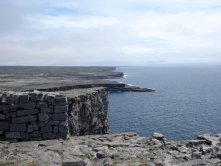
[158,136]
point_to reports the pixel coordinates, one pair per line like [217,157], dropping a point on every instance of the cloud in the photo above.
[118,32]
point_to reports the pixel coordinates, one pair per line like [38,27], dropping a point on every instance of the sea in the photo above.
[186,103]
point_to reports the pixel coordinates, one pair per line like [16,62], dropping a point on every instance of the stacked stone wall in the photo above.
[33,116]
[27,116]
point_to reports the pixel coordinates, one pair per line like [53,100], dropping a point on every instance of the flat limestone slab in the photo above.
[112,149]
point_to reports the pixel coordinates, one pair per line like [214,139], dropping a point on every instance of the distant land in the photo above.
[26,78]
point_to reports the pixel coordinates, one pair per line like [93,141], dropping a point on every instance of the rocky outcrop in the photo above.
[123,149]
[129,88]
[26,116]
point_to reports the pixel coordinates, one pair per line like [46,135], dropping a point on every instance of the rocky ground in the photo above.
[126,149]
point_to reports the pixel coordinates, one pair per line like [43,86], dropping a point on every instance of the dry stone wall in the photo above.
[37,115]
[33,116]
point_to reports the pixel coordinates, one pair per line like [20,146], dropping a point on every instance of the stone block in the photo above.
[46,129]
[60,109]
[50,99]
[59,98]
[27,112]
[63,135]
[42,105]
[29,105]
[34,134]
[2,117]
[4,98]
[23,98]
[34,123]
[32,128]
[53,123]
[33,96]
[63,129]
[43,117]
[30,118]
[24,136]
[6,108]
[45,110]
[55,129]
[1,132]
[16,98]
[4,126]
[19,106]
[35,139]
[12,135]
[64,123]
[60,103]
[10,115]
[40,96]
[196,155]
[51,109]
[60,117]
[49,135]
[17,127]
[10,99]
[41,124]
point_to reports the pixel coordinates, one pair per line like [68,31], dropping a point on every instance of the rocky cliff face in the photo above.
[87,113]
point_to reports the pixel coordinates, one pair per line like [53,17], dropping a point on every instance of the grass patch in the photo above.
[2,163]
[15,152]
[132,161]
[4,152]
[83,157]
[31,164]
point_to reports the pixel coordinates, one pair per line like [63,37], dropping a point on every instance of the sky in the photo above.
[109,32]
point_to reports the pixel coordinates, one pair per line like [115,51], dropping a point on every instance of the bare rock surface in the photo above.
[123,149]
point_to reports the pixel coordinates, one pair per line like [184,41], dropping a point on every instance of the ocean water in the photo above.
[187,102]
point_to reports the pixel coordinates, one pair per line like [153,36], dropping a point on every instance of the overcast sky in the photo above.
[109,32]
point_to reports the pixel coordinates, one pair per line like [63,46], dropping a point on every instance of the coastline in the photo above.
[105,149]
[63,78]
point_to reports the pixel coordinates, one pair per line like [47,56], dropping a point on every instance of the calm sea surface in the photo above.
[187,102]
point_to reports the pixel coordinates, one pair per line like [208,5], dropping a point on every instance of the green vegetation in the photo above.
[83,157]
[2,163]
[14,152]
[31,164]
[4,152]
